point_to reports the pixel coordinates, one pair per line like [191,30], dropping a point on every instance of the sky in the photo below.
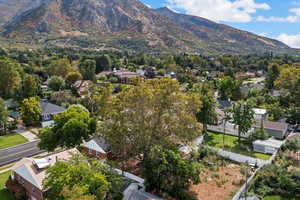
[278,19]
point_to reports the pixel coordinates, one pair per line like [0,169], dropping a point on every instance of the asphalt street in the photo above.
[18,152]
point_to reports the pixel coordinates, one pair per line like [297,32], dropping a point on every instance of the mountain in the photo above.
[126,24]
[222,37]
[110,23]
[11,8]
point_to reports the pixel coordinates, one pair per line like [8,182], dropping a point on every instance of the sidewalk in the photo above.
[28,135]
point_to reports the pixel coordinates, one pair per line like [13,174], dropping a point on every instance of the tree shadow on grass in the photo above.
[6,195]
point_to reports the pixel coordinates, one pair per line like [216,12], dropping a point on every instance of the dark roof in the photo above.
[49,108]
[141,195]
[14,114]
[279,126]
[224,104]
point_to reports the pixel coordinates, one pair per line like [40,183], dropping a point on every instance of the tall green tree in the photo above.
[30,86]
[166,171]
[56,83]
[153,112]
[88,69]
[31,111]
[70,129]
[207,114]
[273,73]
[60,67]
[3,117]
[103,63]
[10,73]
[243,117]
[229,88]
[72,77]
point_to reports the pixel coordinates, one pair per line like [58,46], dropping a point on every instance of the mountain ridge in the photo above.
[130,25]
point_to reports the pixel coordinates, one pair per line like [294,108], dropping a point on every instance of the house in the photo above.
[82,86]
[49,110]
[126,77]
[260,114]
[274,129]
[98,148]
[28,174]
[269,146]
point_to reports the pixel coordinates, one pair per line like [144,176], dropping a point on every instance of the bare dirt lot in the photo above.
[219,185]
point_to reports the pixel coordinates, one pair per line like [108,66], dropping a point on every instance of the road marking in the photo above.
[20,152]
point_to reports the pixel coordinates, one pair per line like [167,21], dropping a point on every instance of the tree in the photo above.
[154,112]
[88,69]
[207,113]
[78,177]
[76,193]
[273,73]
[31,86]
[10,73]
[103,63]
[166,171]
[3,116]
[229,88]
[60,67]
[294,116]
[243,116]
[31,111]
[72,77]
[56,83]
[289,80]
[70,129]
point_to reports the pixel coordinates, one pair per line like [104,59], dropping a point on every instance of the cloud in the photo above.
[290,19]
[294,18]
[291,40]
[220,10]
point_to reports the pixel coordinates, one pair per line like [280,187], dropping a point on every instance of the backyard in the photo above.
[11,140]
[4,194]
[231,144]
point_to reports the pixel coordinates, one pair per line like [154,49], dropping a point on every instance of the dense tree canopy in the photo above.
[166,171]
[154,112]
[70,129]
[60,67]
[10,73]
[88,69]
[3,116]
[31,111]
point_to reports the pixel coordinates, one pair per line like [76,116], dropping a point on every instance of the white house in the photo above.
[269,146]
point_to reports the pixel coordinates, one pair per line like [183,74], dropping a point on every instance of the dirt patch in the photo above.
[72,33]
[219,185]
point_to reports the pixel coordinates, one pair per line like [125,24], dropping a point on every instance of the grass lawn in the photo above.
[11,140]
[231,144]
[278,198]
[4,194]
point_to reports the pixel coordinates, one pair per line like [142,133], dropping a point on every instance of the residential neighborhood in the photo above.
[122,100]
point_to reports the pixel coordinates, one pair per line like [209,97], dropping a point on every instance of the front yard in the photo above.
[4,194]
[231,144]
[11,140]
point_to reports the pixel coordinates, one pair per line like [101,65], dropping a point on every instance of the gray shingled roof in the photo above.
[26,174]
[49,108]
[141,195]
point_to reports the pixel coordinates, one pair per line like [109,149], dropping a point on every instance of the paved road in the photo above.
[18,152]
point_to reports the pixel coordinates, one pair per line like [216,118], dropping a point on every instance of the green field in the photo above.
[4,194]
[11,140]
[231,144]
[278,198]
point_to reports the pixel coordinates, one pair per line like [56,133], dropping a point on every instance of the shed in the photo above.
[269,146]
